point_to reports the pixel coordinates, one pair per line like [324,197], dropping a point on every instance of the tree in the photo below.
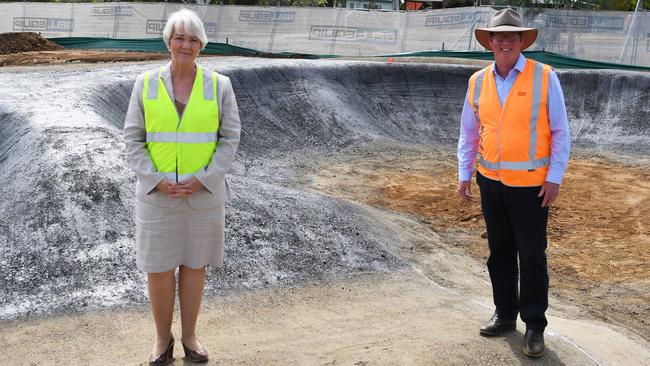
[621,5]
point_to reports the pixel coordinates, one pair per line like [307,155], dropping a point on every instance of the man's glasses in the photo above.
[500,38]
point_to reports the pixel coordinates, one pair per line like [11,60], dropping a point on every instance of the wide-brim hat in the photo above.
[506,20]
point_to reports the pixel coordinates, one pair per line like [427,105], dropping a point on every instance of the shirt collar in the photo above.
[519,65]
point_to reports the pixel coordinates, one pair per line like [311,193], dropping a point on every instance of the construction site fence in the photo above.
[603,36]
[157,45]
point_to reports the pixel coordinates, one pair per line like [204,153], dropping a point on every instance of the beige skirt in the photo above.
[169,237]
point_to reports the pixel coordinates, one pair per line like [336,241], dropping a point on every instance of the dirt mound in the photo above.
[76,56]
[25,41]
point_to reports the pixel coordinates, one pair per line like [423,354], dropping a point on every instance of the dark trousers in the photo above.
[516,227]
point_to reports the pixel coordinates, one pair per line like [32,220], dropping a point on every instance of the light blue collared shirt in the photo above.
[560,142]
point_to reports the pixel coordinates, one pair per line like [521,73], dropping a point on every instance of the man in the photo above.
[514,116]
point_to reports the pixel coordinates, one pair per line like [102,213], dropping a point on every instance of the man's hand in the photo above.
[549,191]
[465,191]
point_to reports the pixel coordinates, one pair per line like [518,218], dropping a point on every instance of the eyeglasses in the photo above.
[500,38]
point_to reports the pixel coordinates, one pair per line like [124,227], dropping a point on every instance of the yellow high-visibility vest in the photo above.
[180,148]
[515,139]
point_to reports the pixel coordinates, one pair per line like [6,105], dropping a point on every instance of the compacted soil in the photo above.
[598,228]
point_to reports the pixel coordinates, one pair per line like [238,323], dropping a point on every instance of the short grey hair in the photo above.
[190,21]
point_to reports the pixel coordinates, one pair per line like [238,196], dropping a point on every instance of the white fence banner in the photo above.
[598,36]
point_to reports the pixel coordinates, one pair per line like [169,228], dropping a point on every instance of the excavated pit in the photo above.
[66,242]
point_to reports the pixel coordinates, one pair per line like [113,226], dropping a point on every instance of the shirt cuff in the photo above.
[554,176]
[465,175]
[150,181]
[207,181]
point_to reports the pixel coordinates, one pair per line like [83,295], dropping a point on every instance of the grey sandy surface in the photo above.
[310,278]
[397,319]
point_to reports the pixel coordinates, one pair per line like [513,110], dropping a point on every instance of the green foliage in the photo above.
[620,5]
[628,5]
[288,2]
[458,3]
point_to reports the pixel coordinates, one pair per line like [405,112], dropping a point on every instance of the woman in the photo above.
[181,134]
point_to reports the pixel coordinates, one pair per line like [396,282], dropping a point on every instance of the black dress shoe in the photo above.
[166,357]
[534,343]
[498,325]
[195,356]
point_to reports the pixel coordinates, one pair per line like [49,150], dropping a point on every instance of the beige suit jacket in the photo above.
[213,177]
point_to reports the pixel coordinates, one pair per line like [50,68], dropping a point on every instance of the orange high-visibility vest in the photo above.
[515,139]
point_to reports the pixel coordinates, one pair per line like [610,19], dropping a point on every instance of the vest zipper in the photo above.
[178,126]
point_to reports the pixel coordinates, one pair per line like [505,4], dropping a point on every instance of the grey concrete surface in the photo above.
[66,237]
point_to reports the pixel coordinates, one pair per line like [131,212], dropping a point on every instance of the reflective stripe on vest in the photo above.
[514,162]
[514,165]
[187,137]
[179,147]
[477,90]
